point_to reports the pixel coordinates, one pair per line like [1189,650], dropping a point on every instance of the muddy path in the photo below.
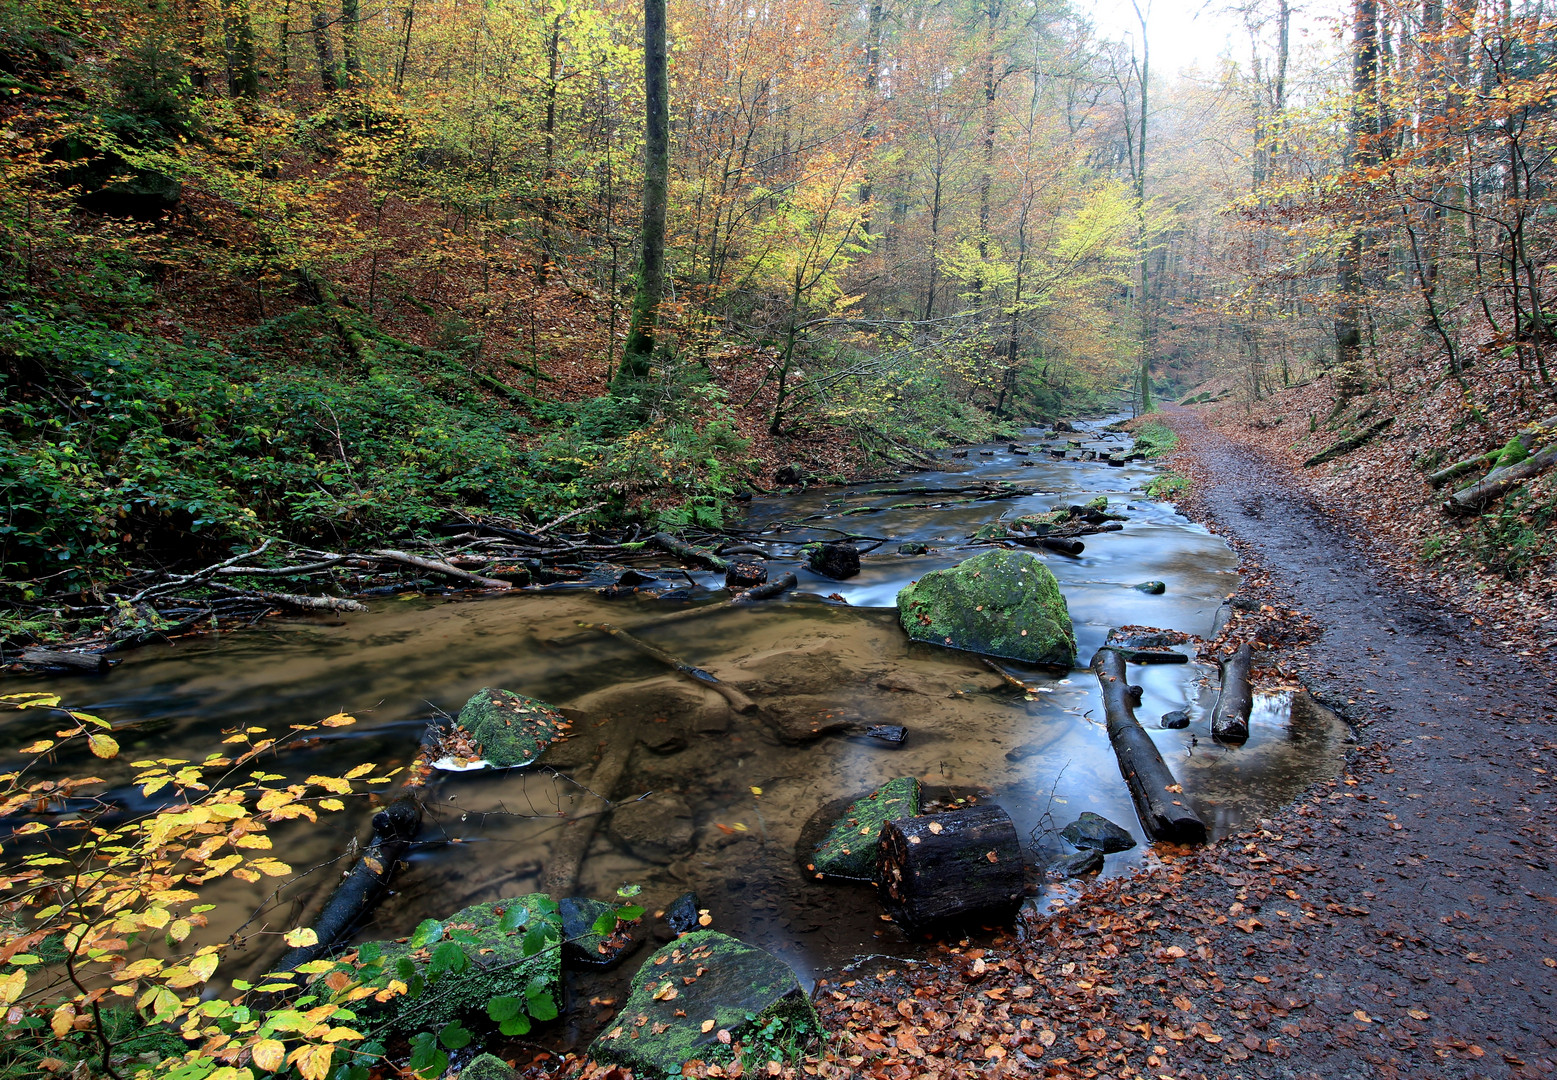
[1399,922]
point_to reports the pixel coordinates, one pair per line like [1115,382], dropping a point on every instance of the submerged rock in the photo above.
[657,828]
[1178,718]
[694,994]
[491,938]
[682,914]
[508,728]
[1151,588]
[913,547]
[1000,603]
[1096,831]
[849,849]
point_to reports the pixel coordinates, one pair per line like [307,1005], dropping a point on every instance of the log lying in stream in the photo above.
[964,864]
[1499,482]
[394,829]
[59,660]
[567,853]
[1230,719]
[738,701]
[1160,803]
[687,553]
[437,567]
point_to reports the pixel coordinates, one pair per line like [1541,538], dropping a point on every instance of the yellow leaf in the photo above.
[756,791]
[102,746]
[269,1054]
[361,770]
[155,917]
[243,873]
[332,784]
[13,986]
[331,804]
[258,841]
[302,937]
[271,867]
[312,1061]
[38,747]
[338,720]
[204,965]
[341,1034]
[63,1020]
[179,930]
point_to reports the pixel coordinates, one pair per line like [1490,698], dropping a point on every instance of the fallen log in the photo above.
[1457,470]
[738,701]
[1350,443]
[1499,482]
[436,567]
[1160,802]
[1230,718]
[1061,545]
[394,828]
[767,591]
[956,866]
[59,660]
[687,553]
[566,858]
[291,600]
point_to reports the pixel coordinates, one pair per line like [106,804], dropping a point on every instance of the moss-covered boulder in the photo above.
[488,1067]
[508,728]
[1000,603]
[1043,524]
[849,849]
[694,989]
[454,967]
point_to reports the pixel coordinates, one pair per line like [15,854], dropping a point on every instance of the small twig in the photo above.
[565,517]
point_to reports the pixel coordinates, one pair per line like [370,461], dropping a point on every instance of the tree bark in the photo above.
[443,568]
[1360,152]
[961,865]
[639,348]
[1499,482]
[1350,443]
[1160,802]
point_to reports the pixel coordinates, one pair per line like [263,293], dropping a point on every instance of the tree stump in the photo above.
[963,864]
[744,575]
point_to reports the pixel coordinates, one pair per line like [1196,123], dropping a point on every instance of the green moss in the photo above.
[1043,524]
[704,976]
[510,728]
[487,1067]
[525,962]
[1000,603]
[1154,438]
[1512,452]
[849,850]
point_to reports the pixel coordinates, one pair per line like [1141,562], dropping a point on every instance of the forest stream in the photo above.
[713,801]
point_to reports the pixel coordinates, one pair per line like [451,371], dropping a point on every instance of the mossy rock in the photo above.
[849,849]
[1100,504]
[1000,603]
[994,530]
[488,1067]
[494,938]
[1042,524]
[702,977]
[510,728]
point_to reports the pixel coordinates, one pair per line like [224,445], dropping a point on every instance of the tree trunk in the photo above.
[242,73]
[1160,802]
[324,48]
[961,865]
[639,348]
[351,41]
[549,172]
[1360,151]
[1499,482]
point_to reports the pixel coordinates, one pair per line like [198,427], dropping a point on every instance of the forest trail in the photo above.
[1398,922]
[1446,837]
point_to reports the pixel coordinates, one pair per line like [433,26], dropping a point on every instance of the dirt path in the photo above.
[1398,923]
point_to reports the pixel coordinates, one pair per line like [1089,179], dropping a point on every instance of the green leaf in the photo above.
[629,912]
[455,1036]
[404,969]
[503,1008]
[513,918]
[519,1025]
[429,931]
[541,1006]
[605,925]
[448,956]
[427,1058]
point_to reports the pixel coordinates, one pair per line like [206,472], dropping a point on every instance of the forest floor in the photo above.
[1396,922]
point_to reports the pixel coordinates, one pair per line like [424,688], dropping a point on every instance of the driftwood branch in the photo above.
[436,567]
[738,701]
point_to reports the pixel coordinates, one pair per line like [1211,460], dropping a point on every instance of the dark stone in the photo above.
[986,453]
[888,733]
[744,575]
[959,453]
[1095,831]
[663,738]
[1082,863]
[580,944]
[787,476]
[1117,460]
[681,915]
[838,561]
[1026,750]
[1064,425]
[1178,718]
[705,976]
[1151,588]
[913,548]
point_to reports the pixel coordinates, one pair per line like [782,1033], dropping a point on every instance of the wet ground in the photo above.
[711,800]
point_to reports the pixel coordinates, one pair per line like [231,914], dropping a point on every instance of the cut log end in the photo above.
[958,866]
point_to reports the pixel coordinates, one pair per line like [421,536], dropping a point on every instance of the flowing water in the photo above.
[689,813]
